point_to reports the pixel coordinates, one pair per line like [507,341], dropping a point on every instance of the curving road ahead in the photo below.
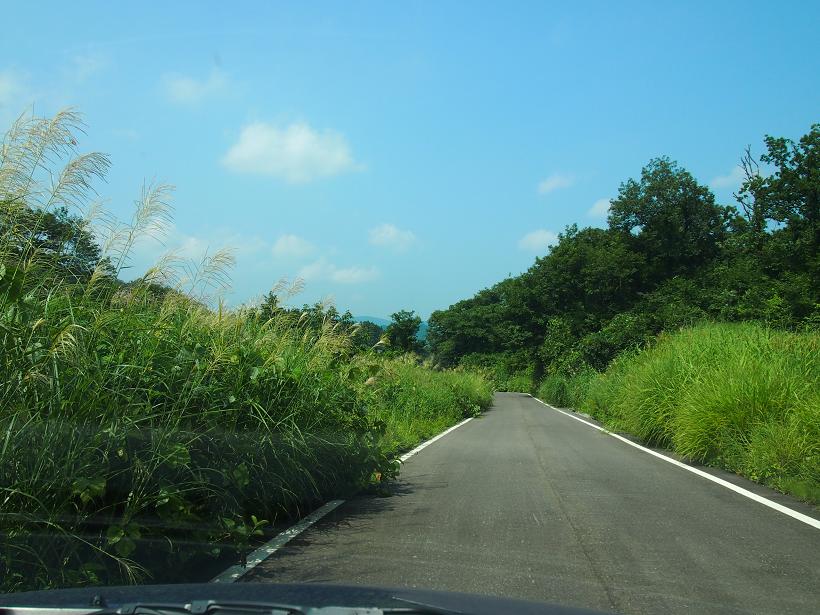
[528,503]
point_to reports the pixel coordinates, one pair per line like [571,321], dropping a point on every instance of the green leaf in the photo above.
[229,524]
[163,497]
[178,456]
[125,547]
[88,488]
[133,531]
[241,475]
[12,283]
[114,534]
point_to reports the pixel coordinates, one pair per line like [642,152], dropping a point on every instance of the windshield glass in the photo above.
[512,301]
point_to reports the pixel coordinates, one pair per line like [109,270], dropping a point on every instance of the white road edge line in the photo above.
[744,492]
[274,544]
[424,445]
[235,572]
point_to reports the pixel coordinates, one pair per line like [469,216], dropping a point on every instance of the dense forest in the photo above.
[670,256]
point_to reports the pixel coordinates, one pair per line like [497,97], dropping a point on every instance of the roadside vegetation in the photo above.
[689,323]
[144,427]
[741,396]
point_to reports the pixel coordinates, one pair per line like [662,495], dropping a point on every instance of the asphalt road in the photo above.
[526,502]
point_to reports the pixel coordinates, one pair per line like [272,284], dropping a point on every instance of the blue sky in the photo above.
[405,155]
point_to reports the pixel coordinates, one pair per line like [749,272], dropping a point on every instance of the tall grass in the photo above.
[566,391]
[740,396]
[142,430]
[516,383]
[507,371]
[413,401]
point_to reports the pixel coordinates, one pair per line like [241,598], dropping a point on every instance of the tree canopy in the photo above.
[63,239]
[402,332]
[669,256]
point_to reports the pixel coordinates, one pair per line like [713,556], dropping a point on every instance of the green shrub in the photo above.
[517,383]
[741,396]
[507,371]
[566,391]
[414,402]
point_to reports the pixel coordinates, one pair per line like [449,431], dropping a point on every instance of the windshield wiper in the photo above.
[204,607]
[214,607]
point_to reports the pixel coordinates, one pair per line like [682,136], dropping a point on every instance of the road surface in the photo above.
[528,503]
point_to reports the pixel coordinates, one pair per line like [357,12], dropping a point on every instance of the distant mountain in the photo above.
[422,334]
[383,322]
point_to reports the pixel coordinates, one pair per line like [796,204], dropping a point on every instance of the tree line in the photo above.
[400,336]
[670,256]
[66,241]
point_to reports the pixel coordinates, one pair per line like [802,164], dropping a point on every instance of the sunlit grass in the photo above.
[145,428]
[566,391]
[416,402]
[739,396]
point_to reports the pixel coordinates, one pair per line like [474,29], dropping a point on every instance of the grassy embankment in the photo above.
[143,432]
[743,397]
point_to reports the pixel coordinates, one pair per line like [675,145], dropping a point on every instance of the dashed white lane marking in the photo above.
[280,540]
[815,523]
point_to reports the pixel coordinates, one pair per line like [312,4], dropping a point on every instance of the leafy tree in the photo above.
[367,335]
[670,257]
[792,197]
[269,307]
[794,189]
[468,327]
[588,277]
[58,237]
[772,269]
[402,331]
[670,219]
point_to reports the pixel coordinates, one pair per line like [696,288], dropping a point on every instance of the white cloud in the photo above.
[296,153]
[324,270]
[354,275]
[555,182]
[314,270]
[12,90]
[732,180]
[292,246]
[185,90]
[392,237]
[85,66]
[599,209]
[169,238]
[537,241]
[186,246]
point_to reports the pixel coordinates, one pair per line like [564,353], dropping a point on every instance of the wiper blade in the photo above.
[204,607]
[214,607]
